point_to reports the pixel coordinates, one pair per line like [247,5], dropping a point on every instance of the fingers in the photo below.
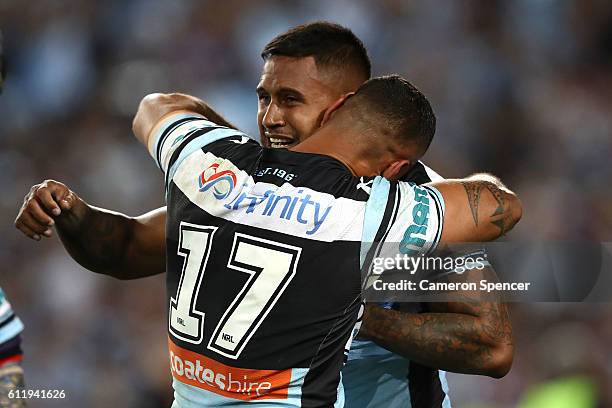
[27,231]
[38,214]
[32,228]
[67,202]
[48,199]
[44,202]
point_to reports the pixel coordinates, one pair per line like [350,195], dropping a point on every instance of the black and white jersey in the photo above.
[263,263]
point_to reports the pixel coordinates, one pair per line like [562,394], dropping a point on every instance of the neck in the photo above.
[344,148]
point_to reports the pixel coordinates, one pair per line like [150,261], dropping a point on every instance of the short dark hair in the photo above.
[397,109]
[330,44]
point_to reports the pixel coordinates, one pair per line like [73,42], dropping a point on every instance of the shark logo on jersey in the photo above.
[222,183]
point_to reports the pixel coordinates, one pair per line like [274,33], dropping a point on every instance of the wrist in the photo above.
[73,219]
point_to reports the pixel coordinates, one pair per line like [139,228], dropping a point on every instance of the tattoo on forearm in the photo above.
[104,239]
[473,190]
[453,341]
[101,243]
[499,215]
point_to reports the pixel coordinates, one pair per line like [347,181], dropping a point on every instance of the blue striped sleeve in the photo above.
[181,134]
[10,325]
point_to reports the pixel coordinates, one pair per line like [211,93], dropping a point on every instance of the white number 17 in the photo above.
[270,265]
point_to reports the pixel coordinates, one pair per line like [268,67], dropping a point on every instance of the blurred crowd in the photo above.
[521,89]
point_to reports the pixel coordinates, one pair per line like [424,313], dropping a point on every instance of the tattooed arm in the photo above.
[105,241]
[102,241]
[478,208]
[465,337]
[469,337]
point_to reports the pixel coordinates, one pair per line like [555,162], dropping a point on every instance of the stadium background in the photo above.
[522,89]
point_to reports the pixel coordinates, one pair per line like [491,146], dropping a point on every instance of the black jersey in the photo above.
[264,250]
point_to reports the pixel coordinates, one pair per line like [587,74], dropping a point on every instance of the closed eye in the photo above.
[292,99]
[263,98]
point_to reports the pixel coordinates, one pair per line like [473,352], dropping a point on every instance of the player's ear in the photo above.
[329,112]
[396,169]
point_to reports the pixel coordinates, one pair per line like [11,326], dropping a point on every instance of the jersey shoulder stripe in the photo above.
[196,140]
[376,210]
[159,141]
[181,134]
[164,129]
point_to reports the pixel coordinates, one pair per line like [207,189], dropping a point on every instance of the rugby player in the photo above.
[278,334]
[305,70]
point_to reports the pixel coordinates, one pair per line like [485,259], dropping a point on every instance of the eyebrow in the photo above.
[292,91]
[260,89]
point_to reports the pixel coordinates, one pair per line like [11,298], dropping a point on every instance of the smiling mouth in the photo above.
[280,143]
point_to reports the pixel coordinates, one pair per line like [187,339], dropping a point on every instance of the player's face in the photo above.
[293,96]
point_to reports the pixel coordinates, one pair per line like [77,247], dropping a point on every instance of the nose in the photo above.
[273,118]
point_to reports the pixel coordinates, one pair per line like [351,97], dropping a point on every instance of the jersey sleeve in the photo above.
[403,217]
[180,134]
[10,328]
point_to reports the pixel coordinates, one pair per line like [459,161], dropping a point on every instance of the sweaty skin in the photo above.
[129,248]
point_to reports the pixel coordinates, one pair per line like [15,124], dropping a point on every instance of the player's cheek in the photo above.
[314,117]
[308,128]
[262,138]
[299,124]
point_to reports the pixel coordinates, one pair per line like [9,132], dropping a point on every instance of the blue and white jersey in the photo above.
[374,377]
[10,329]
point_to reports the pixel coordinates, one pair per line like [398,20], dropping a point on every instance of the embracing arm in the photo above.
[105,241]
[154,107]
[478,208]
[469,336]
[462,337]
[100,240]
